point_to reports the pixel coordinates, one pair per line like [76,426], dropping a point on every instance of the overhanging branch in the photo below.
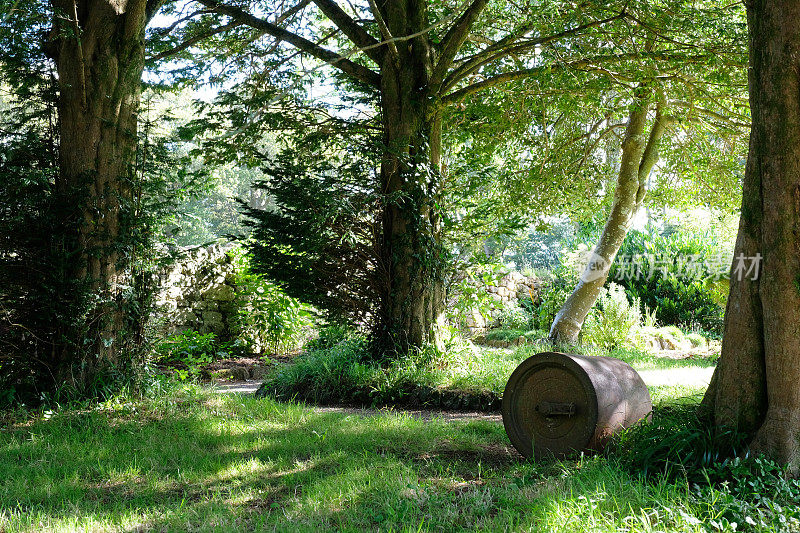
[510,45]
[358,72]
[592,64]
[351,28]
[194,40]
[453,40]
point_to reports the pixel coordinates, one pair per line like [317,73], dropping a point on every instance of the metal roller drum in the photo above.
[557,404]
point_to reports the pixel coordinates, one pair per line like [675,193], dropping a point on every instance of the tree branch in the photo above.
[210,33]
[359,72]
[161,32]
[194,40]
[590,64]
[496,80]
[351,28]
[730,122]
[650,154]
[506,46]
[385,33]
[452,42]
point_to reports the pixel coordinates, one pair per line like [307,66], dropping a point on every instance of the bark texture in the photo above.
[412,255]
[99,52]
[755,385]
[639,155]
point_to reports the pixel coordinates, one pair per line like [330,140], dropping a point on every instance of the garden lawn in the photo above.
[667,378]
[194,460]
[471,378]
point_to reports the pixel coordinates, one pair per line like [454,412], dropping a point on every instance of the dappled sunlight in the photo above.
[231,462]
[689,376]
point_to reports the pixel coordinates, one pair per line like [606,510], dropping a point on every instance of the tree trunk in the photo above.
[99,53]
[754,387]
[412,254]
[639,155]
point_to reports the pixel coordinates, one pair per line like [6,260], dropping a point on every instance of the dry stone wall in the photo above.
[508,290]
[198,292]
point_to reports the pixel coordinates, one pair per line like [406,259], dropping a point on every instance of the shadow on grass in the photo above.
[229,463]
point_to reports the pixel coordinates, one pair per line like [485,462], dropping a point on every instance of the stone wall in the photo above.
[513,287]
[508,290]
[198,292]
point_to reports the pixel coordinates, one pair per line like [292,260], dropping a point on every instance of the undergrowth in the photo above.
[738,491]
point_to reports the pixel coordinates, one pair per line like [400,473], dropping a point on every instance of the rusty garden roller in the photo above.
[557,404]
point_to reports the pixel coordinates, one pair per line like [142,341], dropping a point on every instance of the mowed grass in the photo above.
[668,378]
[191,460]
[468,376]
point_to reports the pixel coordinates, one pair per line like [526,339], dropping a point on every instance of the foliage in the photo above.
[318,241]
[678,274]
[676,442]
[188,352]
[696,339]
[752,492]
[327,374]
[508,335]
[267,318]
[514,316]
[331,335]
[538,246]
[614,321]
[557,288]
[467,294]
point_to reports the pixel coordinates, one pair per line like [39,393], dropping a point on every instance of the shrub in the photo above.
[268,319]
[514,316]
[331,335]
[188,352]
[680,275]
[696,339]
[554,293]
[611,324]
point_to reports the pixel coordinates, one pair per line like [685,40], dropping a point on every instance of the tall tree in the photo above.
[754,387]
[639,156]
[420,56]
[678,96]
[98,49]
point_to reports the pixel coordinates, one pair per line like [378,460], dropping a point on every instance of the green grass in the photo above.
[467,377]
[195,461]
[508,335]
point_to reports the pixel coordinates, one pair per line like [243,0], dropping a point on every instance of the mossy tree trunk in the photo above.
[754,387]
[639,155]
[98,47]
[412,255]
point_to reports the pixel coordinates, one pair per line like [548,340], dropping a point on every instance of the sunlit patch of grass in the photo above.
[215,463]
[467,377]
